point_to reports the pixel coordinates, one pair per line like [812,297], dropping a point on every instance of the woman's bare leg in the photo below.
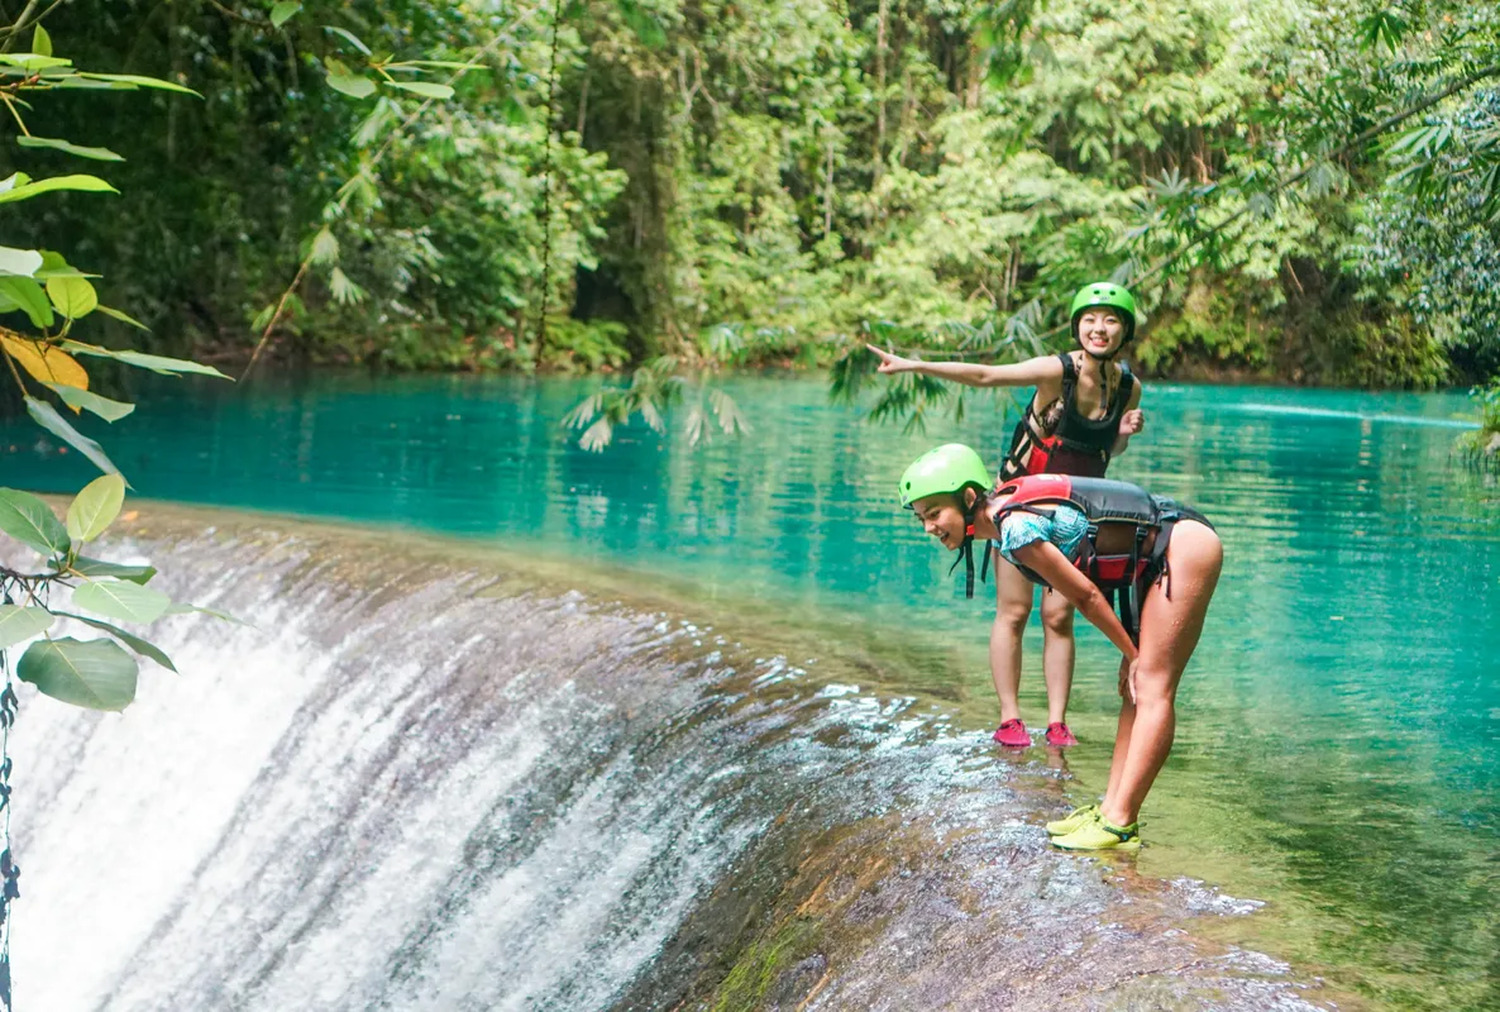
[1170,627]
[1057,653]
[1013,593]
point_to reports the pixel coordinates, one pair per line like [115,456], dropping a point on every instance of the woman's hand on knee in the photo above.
[1128,666]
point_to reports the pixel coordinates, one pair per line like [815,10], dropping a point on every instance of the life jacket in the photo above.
[1144,523]
[1075,444]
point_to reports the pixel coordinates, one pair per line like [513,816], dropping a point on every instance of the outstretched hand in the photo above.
[890,362]
[1132,421]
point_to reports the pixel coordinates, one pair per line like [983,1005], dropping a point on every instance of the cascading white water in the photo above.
[408,787]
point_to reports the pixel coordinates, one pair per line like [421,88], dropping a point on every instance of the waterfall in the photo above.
[424,778]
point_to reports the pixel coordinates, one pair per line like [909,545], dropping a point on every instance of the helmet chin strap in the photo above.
[966,550]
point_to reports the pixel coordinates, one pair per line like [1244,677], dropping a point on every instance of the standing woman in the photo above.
[1085,538]
[1085,409]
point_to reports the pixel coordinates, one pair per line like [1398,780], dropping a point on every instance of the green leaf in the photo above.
[424,88]
[115,314]
[30,521]
[140,646]
[19,623]
[282,12]
[325,247]
[122,599]
[341,78]
[350,36]
[92,673]
[445,64]
[41,42]
[30,298]
[73,397]
[20,262]
[33,61]
[136,80]
[98,154]
[98,567]
[95,507]
[156,363]
[187,609]
[73,297]
[47,417]
[54,266]
[83,183]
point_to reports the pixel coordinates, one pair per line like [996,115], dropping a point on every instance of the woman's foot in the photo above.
[1059,735]
[1100,834]
[1012,733]
[1076,819]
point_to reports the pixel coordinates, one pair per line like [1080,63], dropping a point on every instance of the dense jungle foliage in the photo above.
[1297,190]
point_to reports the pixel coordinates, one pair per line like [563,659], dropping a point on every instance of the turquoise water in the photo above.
[1337,752]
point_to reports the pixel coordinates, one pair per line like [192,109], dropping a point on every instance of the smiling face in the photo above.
[942,516]
[1101,330]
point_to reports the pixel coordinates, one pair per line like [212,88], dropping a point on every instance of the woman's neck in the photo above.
[1093,368]
[984,525]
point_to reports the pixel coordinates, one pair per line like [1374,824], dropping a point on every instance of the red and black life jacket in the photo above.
[1146,519]
[1076,444]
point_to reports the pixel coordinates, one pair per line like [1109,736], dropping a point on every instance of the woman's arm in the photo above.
[1032,372]
[1131,422]
[1047,561]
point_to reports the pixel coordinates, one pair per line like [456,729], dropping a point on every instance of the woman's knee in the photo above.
[1057,621]
[1013,615]
[1155,686]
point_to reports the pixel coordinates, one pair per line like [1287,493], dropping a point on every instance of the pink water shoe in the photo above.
[1012,733]
[1059,735]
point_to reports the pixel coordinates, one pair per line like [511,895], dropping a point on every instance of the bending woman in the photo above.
[1090,539]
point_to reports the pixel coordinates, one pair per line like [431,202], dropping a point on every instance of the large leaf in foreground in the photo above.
[122,599]
[18,623]
[95,507]
[30,521]
[98,567]
[92,673]
[140,646]
[156,363]
[47,417]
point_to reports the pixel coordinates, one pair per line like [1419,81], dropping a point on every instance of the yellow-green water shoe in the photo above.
[1076,819]
[1100,834]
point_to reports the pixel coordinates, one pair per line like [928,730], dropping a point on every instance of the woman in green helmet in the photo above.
[1085,409]
[1085,537]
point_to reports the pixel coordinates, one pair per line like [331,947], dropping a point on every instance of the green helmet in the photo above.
[1103,293]
[951,467]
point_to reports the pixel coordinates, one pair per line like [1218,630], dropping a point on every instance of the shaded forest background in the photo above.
[748,181]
